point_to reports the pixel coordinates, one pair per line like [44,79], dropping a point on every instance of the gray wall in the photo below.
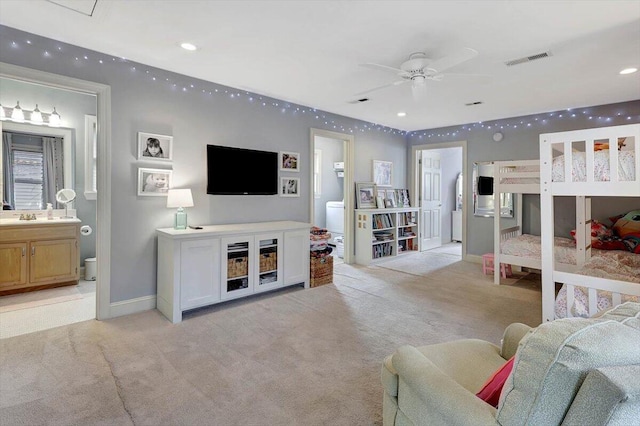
[194,118]
[72,106]
[521,142]
[331,184]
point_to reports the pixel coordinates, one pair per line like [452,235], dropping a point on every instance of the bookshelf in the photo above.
[385,233]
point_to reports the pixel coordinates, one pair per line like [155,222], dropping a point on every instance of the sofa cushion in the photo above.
[469,361]
[608,396]
[554,359]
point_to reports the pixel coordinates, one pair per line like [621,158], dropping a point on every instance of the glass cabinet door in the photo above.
[269,265]
[237,267]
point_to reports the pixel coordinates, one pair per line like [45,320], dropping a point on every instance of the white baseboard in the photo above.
[473,258]
[132,306]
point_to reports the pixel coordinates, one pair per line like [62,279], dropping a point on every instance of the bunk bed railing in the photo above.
[583,143]
[595,286]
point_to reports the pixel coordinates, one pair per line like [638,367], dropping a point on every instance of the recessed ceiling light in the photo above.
[628,70]
[188,46]
[402,114]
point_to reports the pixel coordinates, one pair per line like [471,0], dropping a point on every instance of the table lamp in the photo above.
[180,198]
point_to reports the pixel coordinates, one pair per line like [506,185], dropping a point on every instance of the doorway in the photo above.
[437,177]
[331,200]
[102,94]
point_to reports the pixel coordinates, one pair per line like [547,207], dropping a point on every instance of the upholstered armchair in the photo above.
[573,371]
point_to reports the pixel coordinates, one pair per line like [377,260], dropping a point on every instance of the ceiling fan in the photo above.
[419,68]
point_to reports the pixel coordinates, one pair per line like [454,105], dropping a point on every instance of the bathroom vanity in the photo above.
[38,254]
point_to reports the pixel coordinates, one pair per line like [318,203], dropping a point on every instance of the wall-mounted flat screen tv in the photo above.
[239,171]
[485,185]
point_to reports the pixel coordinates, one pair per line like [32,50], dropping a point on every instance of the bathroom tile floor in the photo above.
[28,312]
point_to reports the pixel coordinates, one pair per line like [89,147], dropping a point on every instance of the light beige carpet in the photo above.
[294,357]
[33,299]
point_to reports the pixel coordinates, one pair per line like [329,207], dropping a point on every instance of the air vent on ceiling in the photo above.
[528,59]
[474,103]
[358,101]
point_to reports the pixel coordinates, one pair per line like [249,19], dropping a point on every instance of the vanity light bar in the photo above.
[21,115]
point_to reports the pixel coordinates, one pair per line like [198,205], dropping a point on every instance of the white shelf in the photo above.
[369,249]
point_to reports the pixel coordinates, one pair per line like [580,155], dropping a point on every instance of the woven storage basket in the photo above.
[321,271]
[268,262]
[237,267]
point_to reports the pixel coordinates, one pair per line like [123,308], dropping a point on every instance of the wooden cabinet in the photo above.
[223,262]
[35,256]
[385,233]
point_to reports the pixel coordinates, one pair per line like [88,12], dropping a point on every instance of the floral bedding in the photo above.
[616,265]
[520,180]
[528,245]
[602,173]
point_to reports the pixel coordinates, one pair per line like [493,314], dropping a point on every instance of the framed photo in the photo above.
[289,187]
[154,147]
[402,197]
[289,161]
[365,195]
[390,198]
[382,172]
[154,182]
[380,202]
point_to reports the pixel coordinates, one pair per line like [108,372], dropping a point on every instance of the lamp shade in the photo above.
[179,198]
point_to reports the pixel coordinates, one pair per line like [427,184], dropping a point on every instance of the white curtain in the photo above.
[53,169]
[7,170]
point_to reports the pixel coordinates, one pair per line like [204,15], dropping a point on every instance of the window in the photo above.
[28,177]
[90,157]
[317,173]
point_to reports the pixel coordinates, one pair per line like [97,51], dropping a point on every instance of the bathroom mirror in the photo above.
[483,195]
[66,196]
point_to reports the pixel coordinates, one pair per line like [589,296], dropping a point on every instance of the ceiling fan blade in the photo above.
[395,83]
[383,67]
[452,60]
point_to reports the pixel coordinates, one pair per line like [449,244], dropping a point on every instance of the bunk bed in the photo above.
[580,164]
[511,246]
[516,177]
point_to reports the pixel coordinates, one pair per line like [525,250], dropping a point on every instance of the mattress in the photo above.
[520,180]
[602,171]
[528,245]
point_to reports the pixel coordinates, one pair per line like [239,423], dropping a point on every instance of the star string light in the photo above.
[213,89]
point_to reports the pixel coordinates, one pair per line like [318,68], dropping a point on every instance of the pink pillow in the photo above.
[490,392]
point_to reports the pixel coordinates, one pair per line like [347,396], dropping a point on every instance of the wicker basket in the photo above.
[237,267]
[321,271]
[268,262]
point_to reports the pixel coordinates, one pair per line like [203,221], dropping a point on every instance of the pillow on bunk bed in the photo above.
[603,238]
[627,228]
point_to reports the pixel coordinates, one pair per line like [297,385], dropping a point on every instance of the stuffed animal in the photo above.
[628,228]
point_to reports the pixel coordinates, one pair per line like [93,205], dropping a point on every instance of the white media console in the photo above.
[200,267]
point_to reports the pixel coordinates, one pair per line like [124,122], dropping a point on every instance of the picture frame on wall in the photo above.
[154,147]
[154,182]
[289,161]
[382,172]
[289,187]
[365,195]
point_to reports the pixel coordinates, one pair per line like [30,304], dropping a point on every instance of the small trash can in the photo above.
[90,269]
[340,246]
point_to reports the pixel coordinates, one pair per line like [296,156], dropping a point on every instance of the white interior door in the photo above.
[430,200]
